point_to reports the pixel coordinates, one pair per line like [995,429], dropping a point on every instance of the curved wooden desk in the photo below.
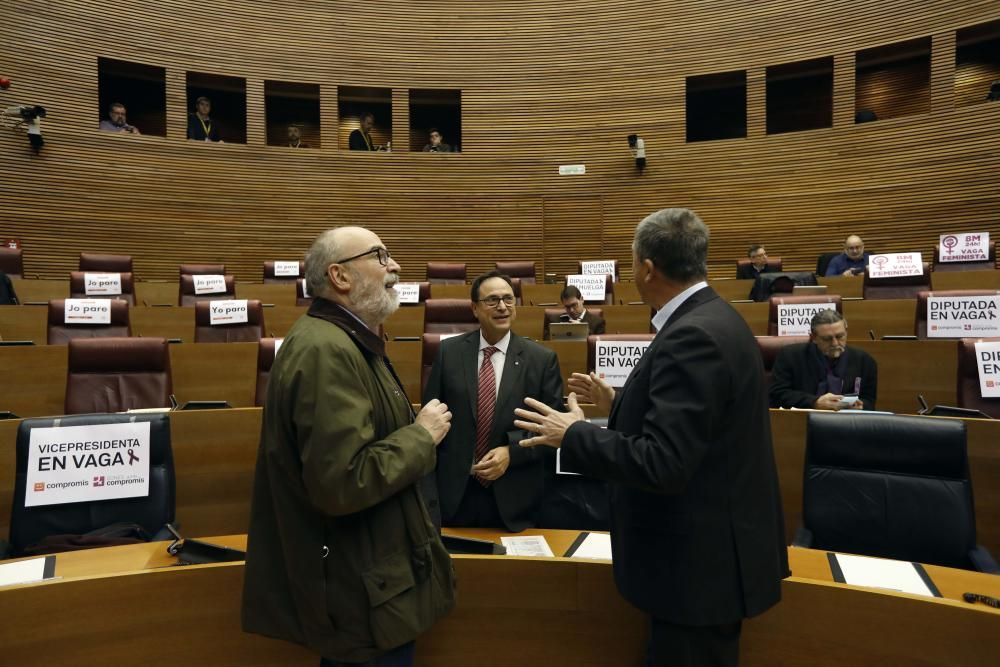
[128,605]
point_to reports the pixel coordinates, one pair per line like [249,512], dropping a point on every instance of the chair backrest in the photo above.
[250,331]
[446,273]
[78,289]
[920,317]
[265,359]
[968,387]
[12,262]
[60,333]
[523,270]
[617,276]
[990,263]
[430,344]
[556,314]
[202,269]
[770,346]
[592,344]
[187,297]
[92,261]
[270,278]
[29,525]
[833,300]
[823,262]
[116,374]
[300,293]
[773,264]
[889,486]
[449,316]
[900,287]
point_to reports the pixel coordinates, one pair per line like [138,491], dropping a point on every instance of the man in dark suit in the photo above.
[696,525]
[361,138]
[820,373]
[576,311]
[484,478]
[758,264]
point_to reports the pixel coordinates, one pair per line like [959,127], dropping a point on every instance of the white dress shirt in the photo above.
[498,357]
[663,314]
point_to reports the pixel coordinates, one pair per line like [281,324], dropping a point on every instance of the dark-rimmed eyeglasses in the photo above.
[382,254]
[494,301]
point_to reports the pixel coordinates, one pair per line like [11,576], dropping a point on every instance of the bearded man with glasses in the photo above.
[483,477]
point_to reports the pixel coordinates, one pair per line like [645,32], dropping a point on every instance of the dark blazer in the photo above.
[529,370]
[796,374]
[356,142]
[696,524]
[595,324]
[747,272]
[197,132]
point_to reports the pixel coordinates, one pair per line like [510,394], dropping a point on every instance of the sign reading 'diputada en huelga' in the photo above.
[75,464]
[963,316]
[616,359]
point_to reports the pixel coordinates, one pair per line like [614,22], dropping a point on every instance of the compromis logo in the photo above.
[39,487]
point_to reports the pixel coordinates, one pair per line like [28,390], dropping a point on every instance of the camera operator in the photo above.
[116,120]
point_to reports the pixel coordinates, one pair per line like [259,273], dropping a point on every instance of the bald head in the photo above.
[854,247]
[331,246]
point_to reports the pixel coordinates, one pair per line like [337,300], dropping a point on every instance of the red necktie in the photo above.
[486,407]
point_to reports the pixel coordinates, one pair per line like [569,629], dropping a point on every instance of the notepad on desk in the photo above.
[527,545]
[27,571]
[595,546]
[894,575]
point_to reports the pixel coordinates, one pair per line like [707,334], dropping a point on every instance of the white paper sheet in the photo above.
[23,572]
[596,546]
[895,575]
[527,545]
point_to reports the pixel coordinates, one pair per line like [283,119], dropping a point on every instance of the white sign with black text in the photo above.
[964,247]
[598,267]
[591,286]
[286,269]
[988,364]
[102,284]
[408,292]
[209,284]
[75,464]
[794,318]
[614,360]
[896,265]
[87,311]
[227,312]
[963,316]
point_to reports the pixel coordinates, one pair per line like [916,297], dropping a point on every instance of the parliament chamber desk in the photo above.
[132,606]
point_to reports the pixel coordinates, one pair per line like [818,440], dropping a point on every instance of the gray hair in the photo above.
[676,241]
[828,316]
[324,251]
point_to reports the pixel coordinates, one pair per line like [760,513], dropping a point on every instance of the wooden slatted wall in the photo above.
[543,83]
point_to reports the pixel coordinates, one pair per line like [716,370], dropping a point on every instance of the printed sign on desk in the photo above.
[614,360]
[87,311]
[896,265]
[227,312]
[102,284]
[75,464]
[408,292]
[794,318]
[598,267]
[988,364]
[286,269]
[964,247]
[591,287]
[209,284]
[963,316]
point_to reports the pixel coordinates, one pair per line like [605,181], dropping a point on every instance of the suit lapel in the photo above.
[511,382]
[470,371]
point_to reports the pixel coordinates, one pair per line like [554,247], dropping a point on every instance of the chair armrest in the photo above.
[803,538]
[983,560]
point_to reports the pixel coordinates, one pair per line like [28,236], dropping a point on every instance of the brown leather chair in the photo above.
[773,264]
[989,264]
[95,262]
[12,262]
[187,297]
[449,316]
[967,389]
[60,333]
[270,278]
[203,269]
[775,301]
[770,346]
[523,270]
[300,295]
[902,287]
[431,343]
[265,359]
[117,374]
[250,331]
[920,317]
[618,276]
[446,273]
[592,344]
[555,315]
[78,290]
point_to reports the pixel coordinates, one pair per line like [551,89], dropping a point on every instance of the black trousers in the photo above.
[478,508]
[688,646]
[401,656]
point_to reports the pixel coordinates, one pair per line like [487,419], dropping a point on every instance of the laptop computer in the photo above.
[569,331]
[809,290]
